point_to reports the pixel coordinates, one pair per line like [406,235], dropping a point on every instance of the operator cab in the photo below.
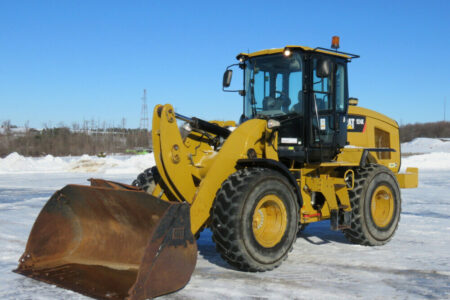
[306,90]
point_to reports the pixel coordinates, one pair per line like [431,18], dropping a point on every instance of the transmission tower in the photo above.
[144,112]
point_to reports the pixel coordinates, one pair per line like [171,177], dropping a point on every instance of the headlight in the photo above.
[271,124]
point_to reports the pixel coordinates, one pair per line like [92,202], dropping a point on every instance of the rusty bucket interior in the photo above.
[111,241]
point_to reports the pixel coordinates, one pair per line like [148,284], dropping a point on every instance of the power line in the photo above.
[144,112]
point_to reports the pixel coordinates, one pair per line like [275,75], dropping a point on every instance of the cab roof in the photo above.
[304,48]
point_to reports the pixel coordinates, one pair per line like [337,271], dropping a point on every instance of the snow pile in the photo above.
[431,154]
[117,164]
[112,165]
[18,163]
[426,145]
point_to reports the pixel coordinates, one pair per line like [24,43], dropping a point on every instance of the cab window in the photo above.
[340,87]
[322,89]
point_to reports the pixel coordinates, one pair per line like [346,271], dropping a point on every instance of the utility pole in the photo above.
[445,104]
[144,113]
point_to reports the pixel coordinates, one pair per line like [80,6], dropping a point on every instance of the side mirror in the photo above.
[227,78]
[323,68]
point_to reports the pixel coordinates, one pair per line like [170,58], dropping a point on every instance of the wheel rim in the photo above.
[269,221]
[382,206]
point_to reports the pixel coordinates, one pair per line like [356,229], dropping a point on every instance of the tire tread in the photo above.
[356,234]
[225,215]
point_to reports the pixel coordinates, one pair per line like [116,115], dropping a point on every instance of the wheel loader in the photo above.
[303,151]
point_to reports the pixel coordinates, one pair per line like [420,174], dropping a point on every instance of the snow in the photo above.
[429,161]
[115,164]
[415,264]
[426,145]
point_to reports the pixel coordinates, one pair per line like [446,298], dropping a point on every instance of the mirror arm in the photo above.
[241,92]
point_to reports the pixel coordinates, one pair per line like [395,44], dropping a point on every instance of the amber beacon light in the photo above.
[335,42]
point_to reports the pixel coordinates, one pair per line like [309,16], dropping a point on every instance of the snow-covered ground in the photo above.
[415,264]
[426,145]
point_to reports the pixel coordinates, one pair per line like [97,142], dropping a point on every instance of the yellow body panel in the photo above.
[156,134]
[175,156]
[280,50]
[376,122]
[368,138]
[410,179]
[246,136]
[348,157]
[323,180]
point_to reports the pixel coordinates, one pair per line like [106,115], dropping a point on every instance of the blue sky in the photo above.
[64,61]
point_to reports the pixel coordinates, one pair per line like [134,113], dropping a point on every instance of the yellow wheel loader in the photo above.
[302,152]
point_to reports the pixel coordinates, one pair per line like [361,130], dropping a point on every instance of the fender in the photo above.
[274,165]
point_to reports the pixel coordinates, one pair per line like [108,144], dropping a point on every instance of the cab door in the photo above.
[327,107]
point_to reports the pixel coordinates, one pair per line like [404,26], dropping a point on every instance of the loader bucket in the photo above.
[111,241]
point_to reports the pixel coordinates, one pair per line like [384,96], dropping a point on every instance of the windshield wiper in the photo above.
[290,116]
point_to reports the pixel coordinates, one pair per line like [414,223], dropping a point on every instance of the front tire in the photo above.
[376,206]
[255,219]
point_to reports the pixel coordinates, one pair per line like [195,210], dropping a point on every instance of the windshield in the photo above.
[273,86]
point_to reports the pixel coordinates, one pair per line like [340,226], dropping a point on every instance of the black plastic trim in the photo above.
[362,162]
[274,165]
[335,51]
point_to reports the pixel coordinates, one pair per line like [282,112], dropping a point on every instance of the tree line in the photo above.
[90,138]
[431,130]
[85,138]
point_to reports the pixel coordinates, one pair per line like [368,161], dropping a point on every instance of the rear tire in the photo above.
[147,180]
[376,206]
[255,219]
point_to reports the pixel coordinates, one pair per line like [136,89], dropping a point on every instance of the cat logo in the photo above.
[356,123]
[350,124]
